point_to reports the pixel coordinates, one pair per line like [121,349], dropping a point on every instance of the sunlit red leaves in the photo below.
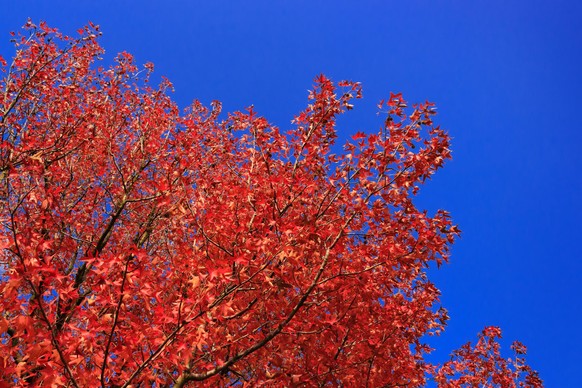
[141,245]
[482,364]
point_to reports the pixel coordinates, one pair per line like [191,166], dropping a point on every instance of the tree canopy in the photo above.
[145,246]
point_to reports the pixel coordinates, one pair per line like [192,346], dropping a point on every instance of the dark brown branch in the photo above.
[115,319]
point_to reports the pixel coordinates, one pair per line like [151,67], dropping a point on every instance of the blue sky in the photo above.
[506,77]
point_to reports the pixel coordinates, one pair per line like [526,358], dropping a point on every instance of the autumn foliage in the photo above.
[145,246]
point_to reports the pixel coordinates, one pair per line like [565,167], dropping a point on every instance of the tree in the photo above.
[141,246]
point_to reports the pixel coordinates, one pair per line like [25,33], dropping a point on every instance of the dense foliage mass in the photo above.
[141,246]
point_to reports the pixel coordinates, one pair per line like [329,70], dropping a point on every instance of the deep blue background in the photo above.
[506,77]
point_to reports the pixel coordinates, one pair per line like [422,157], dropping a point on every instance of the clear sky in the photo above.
[506,77]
